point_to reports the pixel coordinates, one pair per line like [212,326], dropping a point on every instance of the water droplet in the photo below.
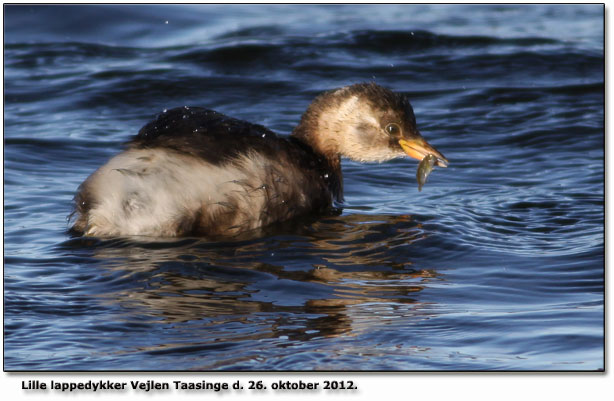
[166,22]
[263,135]
[164,111]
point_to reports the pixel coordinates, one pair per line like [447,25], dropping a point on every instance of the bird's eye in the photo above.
[393,129]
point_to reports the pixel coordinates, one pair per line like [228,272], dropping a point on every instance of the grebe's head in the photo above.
[366,123]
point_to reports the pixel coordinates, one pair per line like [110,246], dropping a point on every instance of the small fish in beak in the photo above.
[424,169]
[420,149]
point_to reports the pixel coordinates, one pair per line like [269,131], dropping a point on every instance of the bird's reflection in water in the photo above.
[329,278]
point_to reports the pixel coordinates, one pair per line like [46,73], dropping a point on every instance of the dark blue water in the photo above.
[497,264]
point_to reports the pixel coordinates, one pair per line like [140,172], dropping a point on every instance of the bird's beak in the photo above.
[418,148]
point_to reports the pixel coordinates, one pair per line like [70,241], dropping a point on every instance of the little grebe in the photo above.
[194,171]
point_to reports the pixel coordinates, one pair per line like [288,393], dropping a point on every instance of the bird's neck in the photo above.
[329,160]
[306,134]
[313,132]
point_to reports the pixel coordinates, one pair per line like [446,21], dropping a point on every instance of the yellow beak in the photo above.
[418,148]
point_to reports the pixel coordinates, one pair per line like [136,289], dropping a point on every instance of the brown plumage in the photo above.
[194,171]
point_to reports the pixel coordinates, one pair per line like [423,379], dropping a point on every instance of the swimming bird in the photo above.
[196,172]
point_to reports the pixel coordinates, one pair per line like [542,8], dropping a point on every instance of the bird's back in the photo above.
[194,171]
